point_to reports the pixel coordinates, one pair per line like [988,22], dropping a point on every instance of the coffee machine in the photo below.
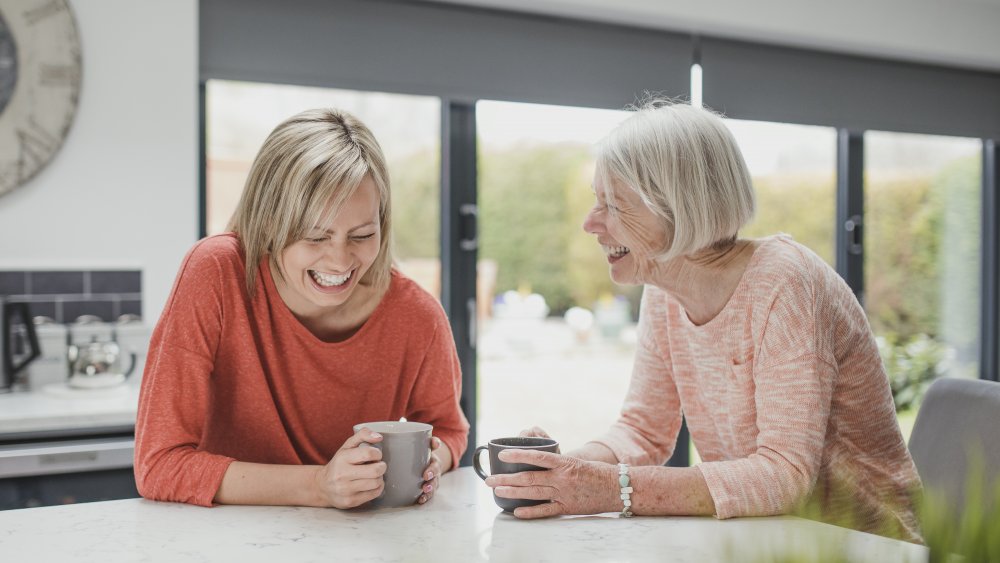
[18,342]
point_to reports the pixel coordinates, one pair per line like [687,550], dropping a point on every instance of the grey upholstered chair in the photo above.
[959,418]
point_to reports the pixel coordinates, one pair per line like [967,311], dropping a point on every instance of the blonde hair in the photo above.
[687,168]
[307,168]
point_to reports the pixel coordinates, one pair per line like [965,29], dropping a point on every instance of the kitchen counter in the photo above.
[460,524]
[57,409]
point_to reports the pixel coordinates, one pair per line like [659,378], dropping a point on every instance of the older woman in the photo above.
[758,343]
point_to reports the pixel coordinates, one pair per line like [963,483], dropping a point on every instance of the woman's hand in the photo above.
[432,472]
[572,486]
[354,475]
[537,432]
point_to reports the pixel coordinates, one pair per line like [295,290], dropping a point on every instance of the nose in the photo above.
[337,254]
[593,223]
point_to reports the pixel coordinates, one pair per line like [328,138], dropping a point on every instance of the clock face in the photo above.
[40,72]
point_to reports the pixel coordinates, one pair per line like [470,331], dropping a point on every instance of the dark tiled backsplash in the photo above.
[66,295]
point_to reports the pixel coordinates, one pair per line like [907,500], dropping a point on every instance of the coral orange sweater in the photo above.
[234,378]
[785,397]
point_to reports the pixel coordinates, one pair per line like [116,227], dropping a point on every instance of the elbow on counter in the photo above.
[179,474]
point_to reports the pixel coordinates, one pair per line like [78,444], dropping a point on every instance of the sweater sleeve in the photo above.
[175,397]
[438,388]
[793,388]
[646,431]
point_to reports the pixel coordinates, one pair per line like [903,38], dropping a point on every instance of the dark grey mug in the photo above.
[498,445]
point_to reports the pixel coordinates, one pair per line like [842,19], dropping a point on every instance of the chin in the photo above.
[625,279]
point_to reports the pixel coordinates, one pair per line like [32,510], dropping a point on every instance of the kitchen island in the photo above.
[461,524]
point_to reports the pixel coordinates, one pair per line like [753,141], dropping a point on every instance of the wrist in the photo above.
[625,490]
[317,492]
[613,501]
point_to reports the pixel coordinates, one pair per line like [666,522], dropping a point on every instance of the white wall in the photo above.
[951,32]
[122,193]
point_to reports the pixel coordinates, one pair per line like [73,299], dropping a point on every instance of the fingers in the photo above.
[535,431]
[358,498]
[530,493]
[427,490]
[522,479]
[364,435]
[548,460]
[360,454]
[435,443]
[545,510]
[347,486]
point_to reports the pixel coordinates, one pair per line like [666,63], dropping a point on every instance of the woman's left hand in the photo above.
[572,486]
[432,472]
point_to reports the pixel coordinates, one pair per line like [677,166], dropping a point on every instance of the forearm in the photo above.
[594,451]
[275,485]
[669,491]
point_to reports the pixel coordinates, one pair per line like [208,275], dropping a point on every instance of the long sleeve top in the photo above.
[785,396]
[230,377]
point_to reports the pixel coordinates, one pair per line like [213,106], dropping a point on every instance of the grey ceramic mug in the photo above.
[406,451]
[498,445]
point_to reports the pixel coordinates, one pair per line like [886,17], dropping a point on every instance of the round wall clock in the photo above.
[40,73]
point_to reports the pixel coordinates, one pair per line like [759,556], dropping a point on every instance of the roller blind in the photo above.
[437,49]
[753,81]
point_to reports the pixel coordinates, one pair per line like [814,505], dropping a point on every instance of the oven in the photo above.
[66,449]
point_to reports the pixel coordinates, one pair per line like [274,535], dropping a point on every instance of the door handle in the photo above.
[468,224]
[853,227]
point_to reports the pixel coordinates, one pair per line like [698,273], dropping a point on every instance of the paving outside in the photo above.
[539,372]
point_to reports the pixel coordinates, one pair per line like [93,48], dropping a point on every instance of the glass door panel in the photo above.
[795,177]
[556,343]
[922,259]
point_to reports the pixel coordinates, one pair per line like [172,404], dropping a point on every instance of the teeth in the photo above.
[615,251]
[328,280]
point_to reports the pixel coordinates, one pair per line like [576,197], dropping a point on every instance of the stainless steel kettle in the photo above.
[97,364]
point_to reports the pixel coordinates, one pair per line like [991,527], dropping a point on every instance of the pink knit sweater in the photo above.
[785,396]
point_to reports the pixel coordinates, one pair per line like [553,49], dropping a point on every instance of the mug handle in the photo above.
[475,463]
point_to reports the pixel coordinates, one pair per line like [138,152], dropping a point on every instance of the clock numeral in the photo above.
[58,75]
[50,8]
[35,145]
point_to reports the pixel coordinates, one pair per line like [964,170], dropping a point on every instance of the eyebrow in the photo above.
[351,230]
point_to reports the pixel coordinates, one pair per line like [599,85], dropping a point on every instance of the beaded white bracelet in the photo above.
[626,490]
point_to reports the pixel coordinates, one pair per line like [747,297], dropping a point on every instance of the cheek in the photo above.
[641,238]
[370,250]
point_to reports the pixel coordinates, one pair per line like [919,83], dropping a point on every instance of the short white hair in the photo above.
[687,168]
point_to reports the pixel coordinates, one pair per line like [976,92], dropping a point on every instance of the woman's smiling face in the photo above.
[323,270]
[631,235]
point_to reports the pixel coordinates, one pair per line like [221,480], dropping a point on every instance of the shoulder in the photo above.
[215,252]
[411,304]
[783,267]
[213,261]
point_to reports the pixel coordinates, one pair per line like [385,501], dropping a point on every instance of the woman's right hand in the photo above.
[537,432]
[354,475]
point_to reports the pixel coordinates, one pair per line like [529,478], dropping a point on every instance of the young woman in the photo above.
[282,334]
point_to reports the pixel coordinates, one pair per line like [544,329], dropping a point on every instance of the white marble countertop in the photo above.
[461,524]
[58,407]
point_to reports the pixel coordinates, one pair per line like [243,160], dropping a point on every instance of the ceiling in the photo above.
[962,33]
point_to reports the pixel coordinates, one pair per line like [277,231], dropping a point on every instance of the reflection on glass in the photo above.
[240,115]
[794,175]
[555,349]
[922,259]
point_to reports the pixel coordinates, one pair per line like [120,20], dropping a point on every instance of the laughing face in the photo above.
[322,271]
[631,235]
